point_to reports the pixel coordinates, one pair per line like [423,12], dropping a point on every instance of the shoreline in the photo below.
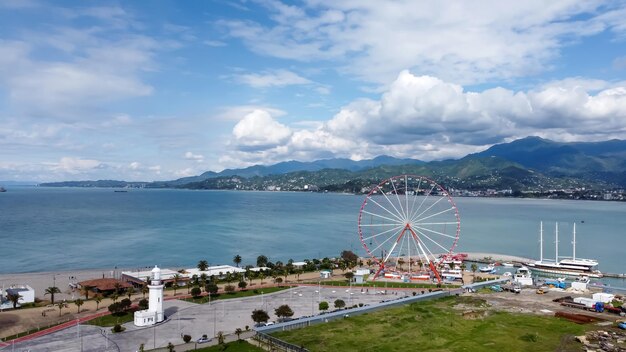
[39,281]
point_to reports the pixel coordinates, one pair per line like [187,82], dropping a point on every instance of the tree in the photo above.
[14,298]
[98,299]
[220,338]
[115,308]
[237,260]
[125,304]
[400,263]
[323,305]
[474,268]
[203,265]
[115,297]
[176,278]
[144,290]
[211,288]
[260,316]
[463,266]
[186,338]
[340,303]
[283,311]
[60,305]
[238,331]
[261,261]
[130,291]
[51,291]
[170,347]
[242,285]
[229,288]
[349,257]
[118,287]
[79,302]
[195,292]
[349,275]
[143,304]
[85,291]
[451,265]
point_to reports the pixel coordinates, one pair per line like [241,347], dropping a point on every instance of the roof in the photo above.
[106,284]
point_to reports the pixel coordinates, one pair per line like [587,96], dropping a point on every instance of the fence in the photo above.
[346,313]
[272,341]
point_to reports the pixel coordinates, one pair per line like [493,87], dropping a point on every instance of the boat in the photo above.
[569,267]
[507,264]
[2,189]
[523,276]
[487,269]
[452,274]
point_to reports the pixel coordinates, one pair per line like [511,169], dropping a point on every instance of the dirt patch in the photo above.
[8,320]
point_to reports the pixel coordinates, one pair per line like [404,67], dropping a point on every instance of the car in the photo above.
[269,323]
[204,339]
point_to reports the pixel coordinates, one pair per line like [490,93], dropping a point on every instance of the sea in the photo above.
[49,229]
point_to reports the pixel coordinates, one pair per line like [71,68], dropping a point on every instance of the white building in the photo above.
[154,314]
[185,275]
[27,295]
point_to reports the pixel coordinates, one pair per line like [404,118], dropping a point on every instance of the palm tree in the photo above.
[238,331]
[117,287]
[79,302]
[176,278]
[98,299]
[61,305]
[203,265]
[144,290]
[14,298]
[400,263]
[85,290]
[115,297]
[52,290]
[220,338]
[474,268]
[237,260]
[130,291]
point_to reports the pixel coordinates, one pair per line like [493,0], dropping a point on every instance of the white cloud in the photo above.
[196,157]
[464,42]
[237,113]
[427,118]
[74,165]
[272,78]
[258,130]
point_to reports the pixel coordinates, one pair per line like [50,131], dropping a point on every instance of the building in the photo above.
[140,277]
[27,295]
[105,286]
[326,274]
[154,314]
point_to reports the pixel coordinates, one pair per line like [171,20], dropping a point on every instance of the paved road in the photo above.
[198,319]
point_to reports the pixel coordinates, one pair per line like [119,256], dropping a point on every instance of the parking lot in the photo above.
[186,318]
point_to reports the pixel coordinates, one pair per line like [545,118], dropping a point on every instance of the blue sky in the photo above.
[156,90]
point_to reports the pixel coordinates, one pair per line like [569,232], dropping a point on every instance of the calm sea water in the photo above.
[44,229]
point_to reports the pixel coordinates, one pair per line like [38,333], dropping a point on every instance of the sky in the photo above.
[158,90]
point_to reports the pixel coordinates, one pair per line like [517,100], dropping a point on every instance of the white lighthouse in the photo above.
[154,313]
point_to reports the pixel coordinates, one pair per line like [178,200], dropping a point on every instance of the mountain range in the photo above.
[527,163]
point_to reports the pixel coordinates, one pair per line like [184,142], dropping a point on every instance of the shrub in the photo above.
[115,308]
[143,304]
[229,288]
[243,285]
[195,292]
[187,338]
[117,328]
[125,304]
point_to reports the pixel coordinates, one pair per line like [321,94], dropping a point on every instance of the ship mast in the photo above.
[574,243]
[541,241]
[556,243]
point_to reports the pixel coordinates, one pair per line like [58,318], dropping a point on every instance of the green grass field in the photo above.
[236,294]
[438,326]
[235,346]
[110,320]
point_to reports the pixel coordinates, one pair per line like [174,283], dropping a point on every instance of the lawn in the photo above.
[236,294]
[382,284]
[235,346]
[112,319]
[437,326]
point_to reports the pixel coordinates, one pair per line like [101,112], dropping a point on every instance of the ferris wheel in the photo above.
[406,223]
